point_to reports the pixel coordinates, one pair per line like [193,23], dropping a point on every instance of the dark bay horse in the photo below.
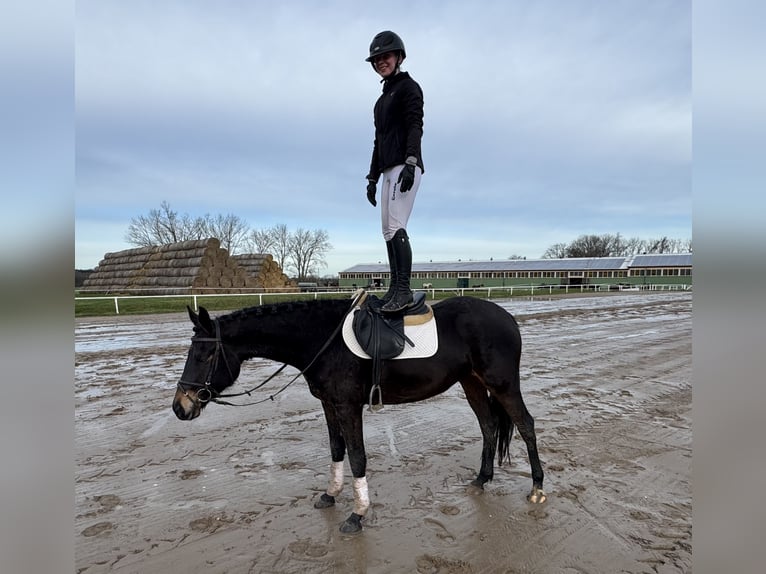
[479,347]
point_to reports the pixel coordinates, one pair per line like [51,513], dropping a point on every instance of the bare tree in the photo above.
[587,246]
[230,230]
[161,226]
[661,245]
[281,244]
[164,225]
[307,251]
[595,246]
[556,251]
[615,245]
[632,246]
[142,231]
[302,252]
[260,241]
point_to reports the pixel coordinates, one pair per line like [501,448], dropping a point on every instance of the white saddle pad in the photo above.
[423,336]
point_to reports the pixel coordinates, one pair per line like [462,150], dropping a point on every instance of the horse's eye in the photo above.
[202,356]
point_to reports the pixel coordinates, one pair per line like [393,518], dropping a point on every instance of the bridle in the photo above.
[206,393]
[211,395]
[206,387]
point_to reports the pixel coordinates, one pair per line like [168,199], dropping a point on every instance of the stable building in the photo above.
[631,270]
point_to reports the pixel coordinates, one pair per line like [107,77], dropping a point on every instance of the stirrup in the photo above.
[375,407]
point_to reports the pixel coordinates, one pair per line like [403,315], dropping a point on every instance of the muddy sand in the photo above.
[608,380]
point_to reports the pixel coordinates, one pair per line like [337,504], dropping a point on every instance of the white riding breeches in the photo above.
[395,206]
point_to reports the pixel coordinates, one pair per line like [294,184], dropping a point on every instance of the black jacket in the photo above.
[398,124]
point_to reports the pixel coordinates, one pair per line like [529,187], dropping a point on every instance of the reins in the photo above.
[213,396]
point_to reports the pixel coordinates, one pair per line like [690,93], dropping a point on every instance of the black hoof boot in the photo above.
[352,524]
[325,501]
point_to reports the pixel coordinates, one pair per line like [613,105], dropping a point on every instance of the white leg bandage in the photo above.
[336,478]
[361,496]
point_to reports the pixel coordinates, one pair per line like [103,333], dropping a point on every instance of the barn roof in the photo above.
[662,260]
[566,264]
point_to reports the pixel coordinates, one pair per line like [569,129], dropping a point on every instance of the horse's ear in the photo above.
[194,318]
[192,315]
[205,321]
[201,321]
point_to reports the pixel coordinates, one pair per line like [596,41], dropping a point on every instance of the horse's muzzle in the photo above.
[184,407]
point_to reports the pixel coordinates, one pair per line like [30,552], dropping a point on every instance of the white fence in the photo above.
[491,292]
[556,289]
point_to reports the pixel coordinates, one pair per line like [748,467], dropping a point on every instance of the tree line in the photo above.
[614,245]
[301,252]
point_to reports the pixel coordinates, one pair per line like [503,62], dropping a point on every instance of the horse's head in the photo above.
[210,368]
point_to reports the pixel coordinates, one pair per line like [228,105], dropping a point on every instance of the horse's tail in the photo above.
[504,430]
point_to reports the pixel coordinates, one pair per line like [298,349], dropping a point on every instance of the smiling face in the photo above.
[385,64]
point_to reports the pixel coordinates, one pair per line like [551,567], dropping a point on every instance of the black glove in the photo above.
[371,192]
[406,178]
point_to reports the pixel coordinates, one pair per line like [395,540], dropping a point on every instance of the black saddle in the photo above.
[381,335]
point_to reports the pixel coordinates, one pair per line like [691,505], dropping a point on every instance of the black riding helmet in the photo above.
[384,42]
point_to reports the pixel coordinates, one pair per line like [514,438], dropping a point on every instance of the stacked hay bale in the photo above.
[267,272]
[197,266]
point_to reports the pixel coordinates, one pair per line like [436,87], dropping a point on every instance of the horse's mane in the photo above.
[282,308]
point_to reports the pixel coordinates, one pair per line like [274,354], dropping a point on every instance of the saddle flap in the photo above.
[380,336]
[424,337]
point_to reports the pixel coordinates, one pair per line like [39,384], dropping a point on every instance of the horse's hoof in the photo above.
[352,524]
[537,496]
[475,487]
[325,501]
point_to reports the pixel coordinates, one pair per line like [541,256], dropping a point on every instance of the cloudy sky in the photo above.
[544,120]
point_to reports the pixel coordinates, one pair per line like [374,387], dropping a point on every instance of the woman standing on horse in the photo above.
[397,158]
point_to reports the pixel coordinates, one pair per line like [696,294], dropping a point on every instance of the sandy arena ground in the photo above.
[607,378]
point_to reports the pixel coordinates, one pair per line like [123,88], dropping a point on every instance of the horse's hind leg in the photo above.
[477,397]
[514,405]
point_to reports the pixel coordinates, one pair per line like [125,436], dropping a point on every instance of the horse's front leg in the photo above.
[350,421]
[337,453]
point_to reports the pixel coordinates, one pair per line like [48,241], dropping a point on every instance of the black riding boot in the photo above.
[392,266]
[402,295]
